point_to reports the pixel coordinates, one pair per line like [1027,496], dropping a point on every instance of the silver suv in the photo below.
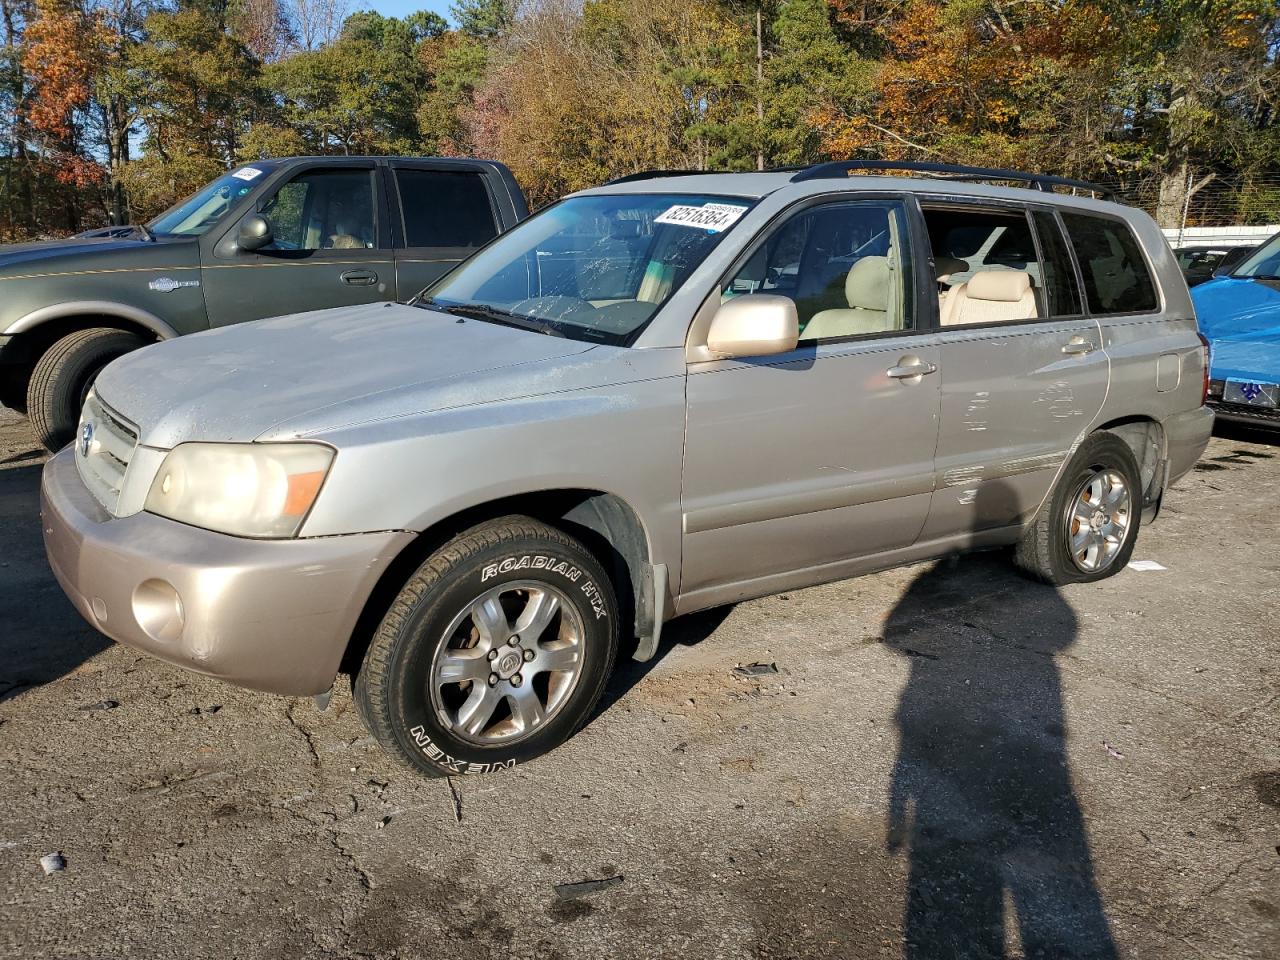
[661,395]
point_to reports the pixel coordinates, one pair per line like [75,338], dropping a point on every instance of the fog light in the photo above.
[158,610]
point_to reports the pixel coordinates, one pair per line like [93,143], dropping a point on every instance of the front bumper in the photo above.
[1186,436]
[273,615]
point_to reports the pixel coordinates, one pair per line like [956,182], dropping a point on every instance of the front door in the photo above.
[797,464]
[330,248]
[1023,372]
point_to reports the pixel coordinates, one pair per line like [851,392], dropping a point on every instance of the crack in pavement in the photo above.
[306,734]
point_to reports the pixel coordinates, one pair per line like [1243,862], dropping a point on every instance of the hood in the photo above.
[1241,318]
[332,366]
[1229,307]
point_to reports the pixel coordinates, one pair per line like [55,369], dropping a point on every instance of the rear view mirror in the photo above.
[255,233]
[754,325]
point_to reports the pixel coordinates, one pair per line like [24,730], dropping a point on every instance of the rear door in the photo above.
[330,248]
[797,464]
[443,212]
[1019,381]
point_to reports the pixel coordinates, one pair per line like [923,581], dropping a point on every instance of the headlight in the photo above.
[245,489]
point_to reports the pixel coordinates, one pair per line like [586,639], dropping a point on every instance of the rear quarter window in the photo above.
[1115,274]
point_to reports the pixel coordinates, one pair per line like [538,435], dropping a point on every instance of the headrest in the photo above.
[1008,286]
[867,285]
[946,266]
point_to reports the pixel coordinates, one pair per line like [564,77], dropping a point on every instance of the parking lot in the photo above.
[950,761]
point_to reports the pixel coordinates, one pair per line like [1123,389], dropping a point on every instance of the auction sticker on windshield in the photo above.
[247,173]
[710,216]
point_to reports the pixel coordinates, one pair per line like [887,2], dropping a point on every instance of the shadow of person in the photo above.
[981,799]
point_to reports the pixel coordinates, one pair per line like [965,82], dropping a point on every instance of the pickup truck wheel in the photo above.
[62,378]
[1087,527]
[493,653]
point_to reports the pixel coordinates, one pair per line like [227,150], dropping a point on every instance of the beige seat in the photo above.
[867,289]
[990,296]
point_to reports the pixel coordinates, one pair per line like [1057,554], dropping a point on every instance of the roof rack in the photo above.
[1039,181]
[653,174]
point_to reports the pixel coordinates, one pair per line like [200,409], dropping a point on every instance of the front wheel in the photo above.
[1087,527]
[62,378]
[493,653]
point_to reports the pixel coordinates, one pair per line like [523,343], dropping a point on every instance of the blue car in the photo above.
[1240,316]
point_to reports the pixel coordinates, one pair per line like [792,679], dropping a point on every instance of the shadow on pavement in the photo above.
[686,631]
[41,636]
[981,798]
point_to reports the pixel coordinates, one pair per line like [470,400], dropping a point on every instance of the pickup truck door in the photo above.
[442,212]
[331,247]
[797,465]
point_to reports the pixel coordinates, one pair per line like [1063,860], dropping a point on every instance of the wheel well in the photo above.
[35,341]
[1145,438]
[604,523]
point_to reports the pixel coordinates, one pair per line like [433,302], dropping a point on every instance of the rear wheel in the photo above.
[1087,527]
[62,378]
[493,653]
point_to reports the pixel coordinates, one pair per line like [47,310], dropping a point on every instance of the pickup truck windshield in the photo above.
[203,209]
[1265,262]
[590,268]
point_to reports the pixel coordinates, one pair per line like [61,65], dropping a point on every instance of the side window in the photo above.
[445,208]
[323,210]
[1115,275]
[845,265]
[986,265]
[1059,275]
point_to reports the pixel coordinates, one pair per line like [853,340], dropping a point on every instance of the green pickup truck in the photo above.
[269,238]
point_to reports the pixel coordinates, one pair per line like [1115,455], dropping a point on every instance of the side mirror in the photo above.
[255,233]
[754,325]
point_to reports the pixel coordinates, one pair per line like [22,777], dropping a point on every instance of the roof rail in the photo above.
[1039,181]
[653,174]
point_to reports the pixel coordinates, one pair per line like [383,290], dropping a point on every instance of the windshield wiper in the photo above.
[482,311]
[146,231]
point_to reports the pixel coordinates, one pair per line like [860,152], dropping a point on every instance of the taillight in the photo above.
[1204,390]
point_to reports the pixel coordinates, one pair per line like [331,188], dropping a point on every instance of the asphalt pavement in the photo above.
[950,761]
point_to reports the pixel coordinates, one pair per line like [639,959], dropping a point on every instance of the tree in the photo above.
[484,19]
[356,94]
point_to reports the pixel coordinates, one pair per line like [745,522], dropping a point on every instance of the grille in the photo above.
[104,446]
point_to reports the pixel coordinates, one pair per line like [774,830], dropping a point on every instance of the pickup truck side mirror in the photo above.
[255,233]
[754,325]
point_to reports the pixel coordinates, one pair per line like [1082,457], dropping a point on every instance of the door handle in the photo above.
[1078,347]
[360,278]
[911,368]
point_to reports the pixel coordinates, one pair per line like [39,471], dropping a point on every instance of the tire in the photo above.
[63,375]
[1087,493]
[419,715]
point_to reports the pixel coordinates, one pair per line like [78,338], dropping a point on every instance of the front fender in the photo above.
[102,308]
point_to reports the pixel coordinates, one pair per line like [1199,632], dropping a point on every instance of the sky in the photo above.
[399,8]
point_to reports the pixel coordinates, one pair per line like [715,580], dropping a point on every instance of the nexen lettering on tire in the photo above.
[436,755]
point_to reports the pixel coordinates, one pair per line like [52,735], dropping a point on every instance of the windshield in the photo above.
[1265,261]
[203,209]
[590,268]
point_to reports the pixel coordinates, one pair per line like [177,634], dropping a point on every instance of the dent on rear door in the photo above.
[1013,405]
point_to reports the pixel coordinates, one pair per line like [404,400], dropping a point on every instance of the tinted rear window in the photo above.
[445,208]
[1116,279]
